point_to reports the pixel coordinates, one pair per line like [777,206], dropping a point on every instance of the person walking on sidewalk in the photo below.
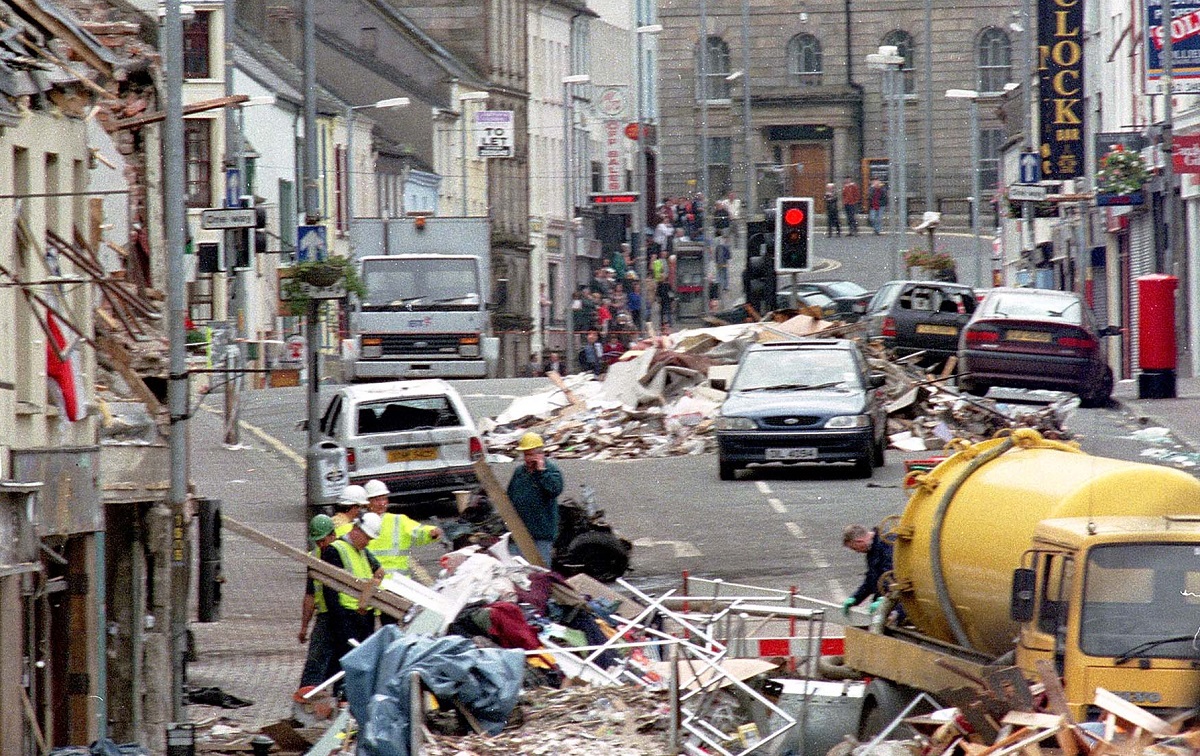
[398,533]
[313,610]
[876,202]
[347,619]
[534,489]
[832,220]
[351,504]
[851,197]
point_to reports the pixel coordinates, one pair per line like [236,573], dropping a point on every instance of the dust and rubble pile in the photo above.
[662,398]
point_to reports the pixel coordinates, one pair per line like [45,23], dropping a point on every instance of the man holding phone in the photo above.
[534,489]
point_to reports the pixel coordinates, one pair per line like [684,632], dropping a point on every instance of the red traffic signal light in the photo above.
[793,234]
[793,216]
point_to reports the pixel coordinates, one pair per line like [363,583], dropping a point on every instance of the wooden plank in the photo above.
[1133,713]
[1056,697]
[504,507]
[1068,741]
[121,361]
[343,580]
[196,107]
[1031,719]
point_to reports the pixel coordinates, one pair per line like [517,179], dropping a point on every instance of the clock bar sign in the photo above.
[1060,88]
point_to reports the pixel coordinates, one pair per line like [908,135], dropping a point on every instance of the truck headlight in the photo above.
[468,346]
[735,423]
[848,421]
[371,347]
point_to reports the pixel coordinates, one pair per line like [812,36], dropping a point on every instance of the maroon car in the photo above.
[1037,339]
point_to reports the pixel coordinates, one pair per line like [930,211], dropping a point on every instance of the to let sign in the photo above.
[1185,153]
[494,134]
[1060,88]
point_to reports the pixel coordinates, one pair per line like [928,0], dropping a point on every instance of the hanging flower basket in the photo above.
[321,274]
[1121,172]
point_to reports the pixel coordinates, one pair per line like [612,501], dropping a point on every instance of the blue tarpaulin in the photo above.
[485,681]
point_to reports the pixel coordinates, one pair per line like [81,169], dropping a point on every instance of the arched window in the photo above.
[994,60]
[903,42]
[804,60]
[716,69]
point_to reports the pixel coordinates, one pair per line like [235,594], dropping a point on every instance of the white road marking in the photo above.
[796,531]
[683,549]
[763,488]
[818,559]
[777,505]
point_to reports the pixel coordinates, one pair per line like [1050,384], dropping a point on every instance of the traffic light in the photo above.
[793,234]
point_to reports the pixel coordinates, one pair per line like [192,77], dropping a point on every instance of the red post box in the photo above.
[1156,336]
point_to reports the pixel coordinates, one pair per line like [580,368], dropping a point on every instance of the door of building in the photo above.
[808,172]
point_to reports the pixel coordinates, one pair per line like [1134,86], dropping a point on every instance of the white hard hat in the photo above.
[370,524]
[376,488]
[353,495]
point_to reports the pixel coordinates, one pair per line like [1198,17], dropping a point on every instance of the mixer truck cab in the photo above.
[1021,549]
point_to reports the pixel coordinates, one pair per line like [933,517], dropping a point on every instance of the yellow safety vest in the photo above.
[355,561]
[393,547]
[319,588]
[341,524]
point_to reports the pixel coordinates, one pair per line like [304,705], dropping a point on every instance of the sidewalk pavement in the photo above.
[1181,415]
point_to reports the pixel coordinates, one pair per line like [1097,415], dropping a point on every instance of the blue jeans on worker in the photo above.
[316,664]
[545,549]
[875,215]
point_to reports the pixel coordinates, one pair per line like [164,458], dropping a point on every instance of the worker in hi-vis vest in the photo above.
[316,664]
[398,533]
[347,620]
[350,506]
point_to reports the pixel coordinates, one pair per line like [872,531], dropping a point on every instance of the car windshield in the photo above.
[796,369]
[408,414]
[1038,306]
[1142,600]
[445,283]
[845,288]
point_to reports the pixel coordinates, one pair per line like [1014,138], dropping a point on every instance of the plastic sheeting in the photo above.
[486,681]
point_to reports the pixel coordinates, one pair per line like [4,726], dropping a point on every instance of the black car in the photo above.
[850,299]
[805,401]
[1038,339]
[920,316]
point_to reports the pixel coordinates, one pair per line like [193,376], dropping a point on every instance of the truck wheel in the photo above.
[601,555]
[882,702]
[726,470]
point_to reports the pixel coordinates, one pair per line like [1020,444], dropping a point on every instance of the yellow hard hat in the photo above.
[529,441]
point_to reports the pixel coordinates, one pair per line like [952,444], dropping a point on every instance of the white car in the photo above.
[416,436]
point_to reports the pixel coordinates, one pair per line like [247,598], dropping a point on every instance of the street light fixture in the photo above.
[734,76]
[972,97]
[391,102]
[640,211]
[887,60]
[463,98]
[569,206]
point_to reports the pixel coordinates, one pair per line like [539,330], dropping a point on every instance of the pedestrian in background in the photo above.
[851,198]
[591,356]
[876,202]
[555,364]
[314,611]
[879,562]
[534,489]
[832,220]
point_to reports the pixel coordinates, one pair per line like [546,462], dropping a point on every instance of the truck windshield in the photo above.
[415,284]
[1142,600]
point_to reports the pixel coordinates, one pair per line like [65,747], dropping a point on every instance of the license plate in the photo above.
[804,452]
[414,454]
[1040,337]
[937,330]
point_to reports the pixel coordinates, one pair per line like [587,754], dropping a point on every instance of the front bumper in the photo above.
[750,447]
[396,369]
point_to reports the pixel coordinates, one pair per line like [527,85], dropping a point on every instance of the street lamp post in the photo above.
[392,102]
[463,99]
[641,211]
[972,98]
[569,209]
[888,62]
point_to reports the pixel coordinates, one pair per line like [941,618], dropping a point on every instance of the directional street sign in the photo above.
[233,187]
[1030,168]
[1026,193]
[310,242]
[215,219]
[337,291]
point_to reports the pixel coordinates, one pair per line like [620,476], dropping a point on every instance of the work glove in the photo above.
[846,605]
[874,607]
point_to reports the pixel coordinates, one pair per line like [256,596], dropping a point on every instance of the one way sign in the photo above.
[310,243]
[1031,168]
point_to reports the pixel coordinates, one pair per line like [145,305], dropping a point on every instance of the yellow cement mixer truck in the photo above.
[1020,549]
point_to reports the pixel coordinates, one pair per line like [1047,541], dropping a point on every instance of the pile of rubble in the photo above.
[662,397]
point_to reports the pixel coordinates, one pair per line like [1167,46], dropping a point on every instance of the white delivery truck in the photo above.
[425,313]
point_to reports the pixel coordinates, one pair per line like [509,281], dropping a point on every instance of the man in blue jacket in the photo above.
[533,490]
[879,561]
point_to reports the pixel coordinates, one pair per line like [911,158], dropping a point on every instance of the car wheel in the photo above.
[877,452]
[865,466]
[727,470]
[601,555]
[1098,392]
